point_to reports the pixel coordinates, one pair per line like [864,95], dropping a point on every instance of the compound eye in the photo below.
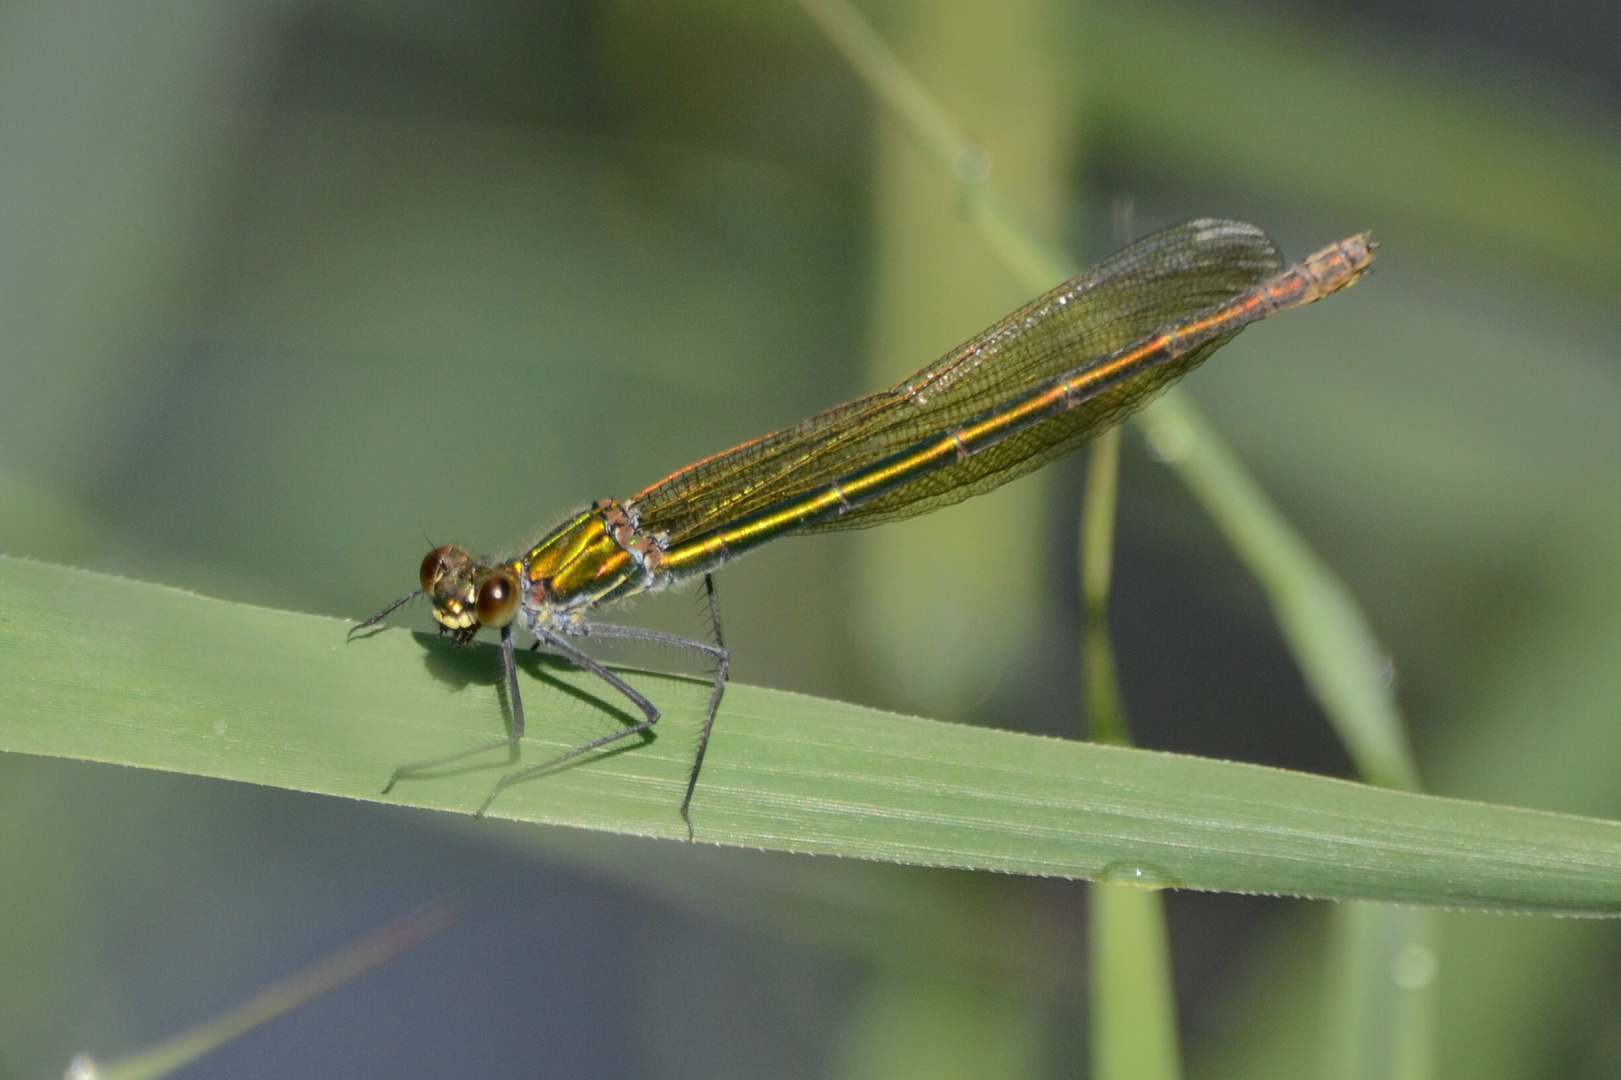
[497,603]
[434,567]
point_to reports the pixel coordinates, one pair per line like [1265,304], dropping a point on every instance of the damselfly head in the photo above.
[468,593]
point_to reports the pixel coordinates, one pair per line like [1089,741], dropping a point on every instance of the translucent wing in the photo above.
[1158,281]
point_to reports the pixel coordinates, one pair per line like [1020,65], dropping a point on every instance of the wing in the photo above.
[1160,280]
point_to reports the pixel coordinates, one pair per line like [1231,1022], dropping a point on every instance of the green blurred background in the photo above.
[287,287]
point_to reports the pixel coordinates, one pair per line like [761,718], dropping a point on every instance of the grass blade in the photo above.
[106,669]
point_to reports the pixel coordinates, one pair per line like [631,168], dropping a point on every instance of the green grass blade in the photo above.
[105,669]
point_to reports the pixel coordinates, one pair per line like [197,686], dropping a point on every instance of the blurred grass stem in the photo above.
[272,1002]
[1104,707]
[1133,995]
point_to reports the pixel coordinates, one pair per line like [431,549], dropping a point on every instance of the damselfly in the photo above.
[1031,388]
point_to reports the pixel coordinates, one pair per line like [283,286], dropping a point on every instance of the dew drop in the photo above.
[219,727]
[1140,874]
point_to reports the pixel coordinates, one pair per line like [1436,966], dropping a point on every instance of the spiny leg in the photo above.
[510,666]
[723,671]
[580,659]
[716,651]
